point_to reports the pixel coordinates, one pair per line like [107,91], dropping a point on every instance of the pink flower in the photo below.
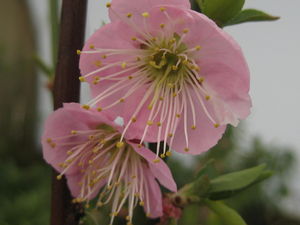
[84,146]
[169,72]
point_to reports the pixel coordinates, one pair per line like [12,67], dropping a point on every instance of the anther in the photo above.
[69,152]
[53,145]
[168,153]
[91,137]
[193,127]
[170,135]
[156,160]
[142,203]
[186,149]
[78,52]
[162,25]
[99,204]
[162,155]
[139,145]
[120,144]
[158,124]
[81,78]
[174,67]
[162,9]
[178,115]
[59,177]
[130,77]
[99,109]
[98,63]
[216,125]
[122,100]
[104,56]
[133,119]
[129,15]
[200,80]
[87,107]
[145,14]
[128,218]
[185,31]
[108,5]
[207,97]
[49,140]
[149,122]
[133,38]
[92,46]
[123,65]
[198,47]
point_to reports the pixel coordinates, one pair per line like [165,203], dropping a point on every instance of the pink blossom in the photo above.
[84,146]
[169,72]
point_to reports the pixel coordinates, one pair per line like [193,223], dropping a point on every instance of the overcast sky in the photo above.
[272,50]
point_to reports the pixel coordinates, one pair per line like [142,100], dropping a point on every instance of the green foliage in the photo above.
[221,11]
[250,15]
[230,184]
[24,194]
[228,215]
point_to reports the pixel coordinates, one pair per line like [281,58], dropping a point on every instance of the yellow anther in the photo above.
[148,214]
[130,77]
[168,153]
[73,131]
[133,38]
[80,164]
[78,52]
[158,124]
[133,176]
[81,78]
[102,141]
[98,63]
[99,109]
[170,85]
[49,140]
[138,58]
[59,177]
[128,218]
[198,47]
[95,150]
[156,160]
[153,39]
[69,152]
[53,145]
[149,122]
[92,46]
[108,4]
[185,62]
[193,127]
[145,14]
[174,67]
[87,107]
[185,31]
[162,156]
[207,97]
[161,98]
[172,41]
[122,100]
[109,187]
[104,56]
[129,15]
[99,204]
[142,203]
[139,145]
[150,107]
[200,80]
[91,137]
[170,135]
[120,144]
[162,25]
[123,65]
[91,161]
[178,115]
[216,125]
[186,149]
[133,119]
[174,95]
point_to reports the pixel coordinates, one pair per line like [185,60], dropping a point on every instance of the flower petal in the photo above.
[121,8]
[159,169]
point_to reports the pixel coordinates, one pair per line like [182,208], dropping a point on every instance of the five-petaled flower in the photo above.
[169,72]
[84,146]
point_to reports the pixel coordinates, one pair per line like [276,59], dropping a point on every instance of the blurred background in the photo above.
[270,135]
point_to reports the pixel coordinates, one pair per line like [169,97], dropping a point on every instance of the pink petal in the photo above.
[160,170]
[202,138]
[120,8]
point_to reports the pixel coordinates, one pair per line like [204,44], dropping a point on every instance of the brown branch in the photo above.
[67,89]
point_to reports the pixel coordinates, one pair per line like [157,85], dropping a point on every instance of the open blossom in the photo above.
[169,72]
[84,146]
